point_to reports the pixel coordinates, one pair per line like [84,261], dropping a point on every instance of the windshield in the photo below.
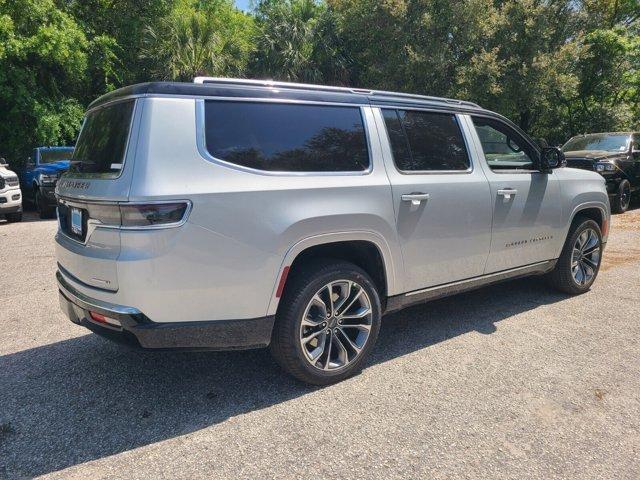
[50,156]
[602,142]
[102,142]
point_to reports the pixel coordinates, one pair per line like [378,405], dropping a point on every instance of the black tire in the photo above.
[622,199]
[562,277]
[302,286]
[44,212]
[14,217]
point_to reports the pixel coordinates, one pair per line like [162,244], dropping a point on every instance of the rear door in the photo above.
[527,209]
[441,200]
[99,177]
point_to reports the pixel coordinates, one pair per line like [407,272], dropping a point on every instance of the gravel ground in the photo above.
[510,381]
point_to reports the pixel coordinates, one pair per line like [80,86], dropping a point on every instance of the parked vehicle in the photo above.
[616,156]
[229,214]
[10,194]
[42,171]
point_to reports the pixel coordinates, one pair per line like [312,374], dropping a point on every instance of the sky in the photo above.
[243,4]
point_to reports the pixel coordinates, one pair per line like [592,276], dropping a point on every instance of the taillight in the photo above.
[152,214]
[140,215]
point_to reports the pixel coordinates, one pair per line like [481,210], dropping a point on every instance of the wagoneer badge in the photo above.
[75,184]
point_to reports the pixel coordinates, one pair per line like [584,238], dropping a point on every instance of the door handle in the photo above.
[415,198]
[507,192]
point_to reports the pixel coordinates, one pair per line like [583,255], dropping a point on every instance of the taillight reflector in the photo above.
[98,317]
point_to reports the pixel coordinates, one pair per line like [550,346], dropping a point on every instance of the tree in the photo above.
[298,40]
[213,39]
[43,66]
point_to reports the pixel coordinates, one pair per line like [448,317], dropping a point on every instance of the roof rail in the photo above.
[329,88]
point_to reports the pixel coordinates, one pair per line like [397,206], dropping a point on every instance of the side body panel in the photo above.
[445,238]
[527,225]
[225,262]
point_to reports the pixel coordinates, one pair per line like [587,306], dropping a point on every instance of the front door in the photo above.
[441,199]
[527,210]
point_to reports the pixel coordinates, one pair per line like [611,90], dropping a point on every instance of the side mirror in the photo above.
[550,158]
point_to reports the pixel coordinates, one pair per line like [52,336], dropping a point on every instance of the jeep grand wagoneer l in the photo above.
[230,214]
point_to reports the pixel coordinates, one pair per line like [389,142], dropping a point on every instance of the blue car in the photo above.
[43,169]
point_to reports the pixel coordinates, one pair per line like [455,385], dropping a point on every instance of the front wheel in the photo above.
[579,262]
[622,200]
[44,211]
[327,323]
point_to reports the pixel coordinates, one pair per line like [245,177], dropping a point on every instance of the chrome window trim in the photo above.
[201,141]
[459,121]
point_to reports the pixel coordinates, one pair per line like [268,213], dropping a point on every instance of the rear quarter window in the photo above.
[286,137]
[101,146]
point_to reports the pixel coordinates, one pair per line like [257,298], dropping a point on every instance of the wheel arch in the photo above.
[596,211]
[369,250]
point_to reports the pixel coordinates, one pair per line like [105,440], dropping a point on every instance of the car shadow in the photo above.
[85,398]
[29,217]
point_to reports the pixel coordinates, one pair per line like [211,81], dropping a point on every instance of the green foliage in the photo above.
[193,39]
[298,40]
[556,67]
[43,63]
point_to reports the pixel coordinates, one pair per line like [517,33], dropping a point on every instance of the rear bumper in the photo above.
[137,330]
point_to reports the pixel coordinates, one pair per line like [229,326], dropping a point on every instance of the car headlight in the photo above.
[48,179]
[605,167]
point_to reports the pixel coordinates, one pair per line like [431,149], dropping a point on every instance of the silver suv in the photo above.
[231,214]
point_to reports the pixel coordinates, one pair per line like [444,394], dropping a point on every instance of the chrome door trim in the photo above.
[480,278]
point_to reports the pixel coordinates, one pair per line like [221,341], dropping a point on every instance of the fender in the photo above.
[394,283]
[606,216]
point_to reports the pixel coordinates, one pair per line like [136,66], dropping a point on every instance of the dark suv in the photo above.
[616,156]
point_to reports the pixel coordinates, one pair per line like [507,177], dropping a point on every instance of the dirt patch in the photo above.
[615,258]
[627,221]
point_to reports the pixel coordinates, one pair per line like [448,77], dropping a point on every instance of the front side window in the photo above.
[425,141]
[286,137]
[504,148]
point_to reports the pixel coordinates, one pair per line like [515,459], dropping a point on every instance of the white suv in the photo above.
[228,214]
[10,194]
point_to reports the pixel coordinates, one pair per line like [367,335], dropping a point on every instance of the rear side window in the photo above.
[102,142]
[426,141]
[285,137]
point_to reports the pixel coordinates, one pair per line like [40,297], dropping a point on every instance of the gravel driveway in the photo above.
[510,381]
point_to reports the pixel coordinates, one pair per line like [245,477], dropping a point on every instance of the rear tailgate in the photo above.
[88,195]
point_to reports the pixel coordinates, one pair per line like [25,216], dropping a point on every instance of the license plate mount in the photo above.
[76,221]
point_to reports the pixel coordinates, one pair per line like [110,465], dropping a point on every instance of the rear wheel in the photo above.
[579,263]
[327,323]
[14,217]
[622,200]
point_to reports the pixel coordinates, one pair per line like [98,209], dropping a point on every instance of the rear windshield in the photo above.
[287,137]
[51,156]
[102,142]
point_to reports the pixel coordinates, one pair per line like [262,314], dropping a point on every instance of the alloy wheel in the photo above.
[585,257]
[625,196]
[336,325]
